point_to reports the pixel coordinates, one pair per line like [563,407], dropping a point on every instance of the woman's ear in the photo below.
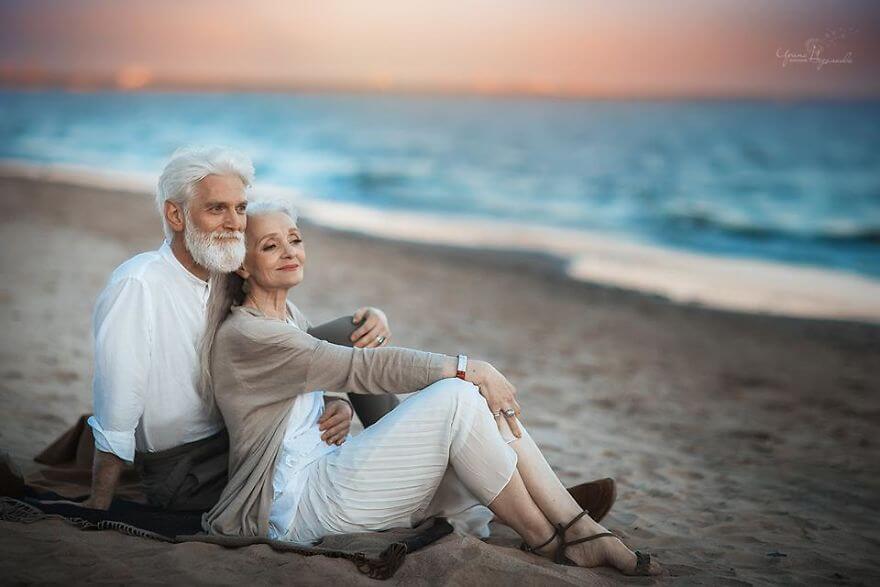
[243,273]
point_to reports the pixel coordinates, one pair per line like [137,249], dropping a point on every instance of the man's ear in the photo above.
[174,216]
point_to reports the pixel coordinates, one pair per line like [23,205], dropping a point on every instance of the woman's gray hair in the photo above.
[226,292]
[189,165]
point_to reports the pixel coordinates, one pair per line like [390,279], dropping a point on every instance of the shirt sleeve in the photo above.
[123,341]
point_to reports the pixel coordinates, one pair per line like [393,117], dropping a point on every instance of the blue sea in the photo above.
[796,182]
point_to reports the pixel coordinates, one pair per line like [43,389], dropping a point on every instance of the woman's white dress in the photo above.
[438,453]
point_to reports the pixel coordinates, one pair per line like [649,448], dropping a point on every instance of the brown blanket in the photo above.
[69,471]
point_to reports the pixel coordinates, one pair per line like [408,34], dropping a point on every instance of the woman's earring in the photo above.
[245,287]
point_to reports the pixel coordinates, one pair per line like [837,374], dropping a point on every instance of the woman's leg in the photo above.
[386,476]
[515,507]
[557,504]
[529,498]
[389,475]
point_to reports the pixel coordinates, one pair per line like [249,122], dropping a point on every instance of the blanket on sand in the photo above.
[68,477]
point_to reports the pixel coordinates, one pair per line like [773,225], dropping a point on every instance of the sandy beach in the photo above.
[744,446]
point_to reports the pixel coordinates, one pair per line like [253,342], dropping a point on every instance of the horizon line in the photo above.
[110,82]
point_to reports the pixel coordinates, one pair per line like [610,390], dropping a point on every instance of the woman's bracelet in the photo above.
[461,369]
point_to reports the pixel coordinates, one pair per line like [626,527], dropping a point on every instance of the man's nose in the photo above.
[233,221]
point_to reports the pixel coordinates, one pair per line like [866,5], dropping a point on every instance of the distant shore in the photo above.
[746,285]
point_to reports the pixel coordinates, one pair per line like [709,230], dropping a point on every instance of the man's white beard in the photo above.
[218,252]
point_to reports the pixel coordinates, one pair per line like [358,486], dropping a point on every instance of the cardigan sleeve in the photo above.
[376,370]
[278,360]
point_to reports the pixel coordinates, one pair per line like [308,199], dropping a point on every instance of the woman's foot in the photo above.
[606,551]
[602,551]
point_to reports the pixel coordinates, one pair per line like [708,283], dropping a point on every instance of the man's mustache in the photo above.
[227,235]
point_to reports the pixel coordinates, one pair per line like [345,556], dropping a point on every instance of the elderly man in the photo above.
[147,325]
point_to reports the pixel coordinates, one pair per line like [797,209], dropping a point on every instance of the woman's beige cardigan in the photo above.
[260,365]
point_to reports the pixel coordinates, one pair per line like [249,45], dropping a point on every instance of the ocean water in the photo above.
[796,182]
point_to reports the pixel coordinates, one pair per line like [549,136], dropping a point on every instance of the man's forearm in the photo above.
[105,475]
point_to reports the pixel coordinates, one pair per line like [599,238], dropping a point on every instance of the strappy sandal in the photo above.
[643,560]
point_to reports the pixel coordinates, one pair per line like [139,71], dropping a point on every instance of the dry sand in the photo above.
[745,446]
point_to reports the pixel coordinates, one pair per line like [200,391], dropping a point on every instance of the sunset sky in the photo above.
[560,47]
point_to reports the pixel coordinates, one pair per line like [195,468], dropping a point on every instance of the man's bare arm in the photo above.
[105,475]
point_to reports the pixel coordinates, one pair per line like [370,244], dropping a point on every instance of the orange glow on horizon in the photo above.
[133,77]
[553,47]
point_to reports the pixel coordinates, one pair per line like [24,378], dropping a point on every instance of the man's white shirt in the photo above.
[147,325]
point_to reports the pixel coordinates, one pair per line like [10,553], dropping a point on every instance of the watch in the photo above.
[461,369]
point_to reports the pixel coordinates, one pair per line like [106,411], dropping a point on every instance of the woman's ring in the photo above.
[380,339]
[509,413]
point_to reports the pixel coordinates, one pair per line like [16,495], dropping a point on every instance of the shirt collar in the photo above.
[168,255]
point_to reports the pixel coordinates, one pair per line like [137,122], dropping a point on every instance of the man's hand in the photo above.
[335,422]
[95,503]
[79,504]
[374,331]
[105,475]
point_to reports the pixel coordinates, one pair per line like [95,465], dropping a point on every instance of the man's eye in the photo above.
[268,247]
[295,241]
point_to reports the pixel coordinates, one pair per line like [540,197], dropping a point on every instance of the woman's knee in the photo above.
[456,392]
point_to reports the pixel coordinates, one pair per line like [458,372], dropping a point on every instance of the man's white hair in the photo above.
[189,165]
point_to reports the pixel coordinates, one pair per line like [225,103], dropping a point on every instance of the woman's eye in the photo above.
[268,247]
[295,241]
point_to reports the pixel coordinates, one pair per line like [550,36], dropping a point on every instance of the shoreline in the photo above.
[724,283]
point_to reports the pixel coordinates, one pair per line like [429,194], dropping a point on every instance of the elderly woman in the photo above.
[453,446]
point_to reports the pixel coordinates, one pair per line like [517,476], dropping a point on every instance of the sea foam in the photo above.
[723,282]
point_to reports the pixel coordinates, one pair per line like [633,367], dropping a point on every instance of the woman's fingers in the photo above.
[378,337]
[367,332]
[357,337]
[371,339]
[514,425]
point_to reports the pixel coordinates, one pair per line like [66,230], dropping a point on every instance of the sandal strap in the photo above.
[528,548]
[559,556]
[588,538]
[643,563]
[562,529]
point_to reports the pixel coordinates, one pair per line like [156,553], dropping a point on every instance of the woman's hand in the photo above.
[374,332]
[500,393]
[335,422]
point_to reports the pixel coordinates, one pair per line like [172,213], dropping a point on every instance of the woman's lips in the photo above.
[293,267]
